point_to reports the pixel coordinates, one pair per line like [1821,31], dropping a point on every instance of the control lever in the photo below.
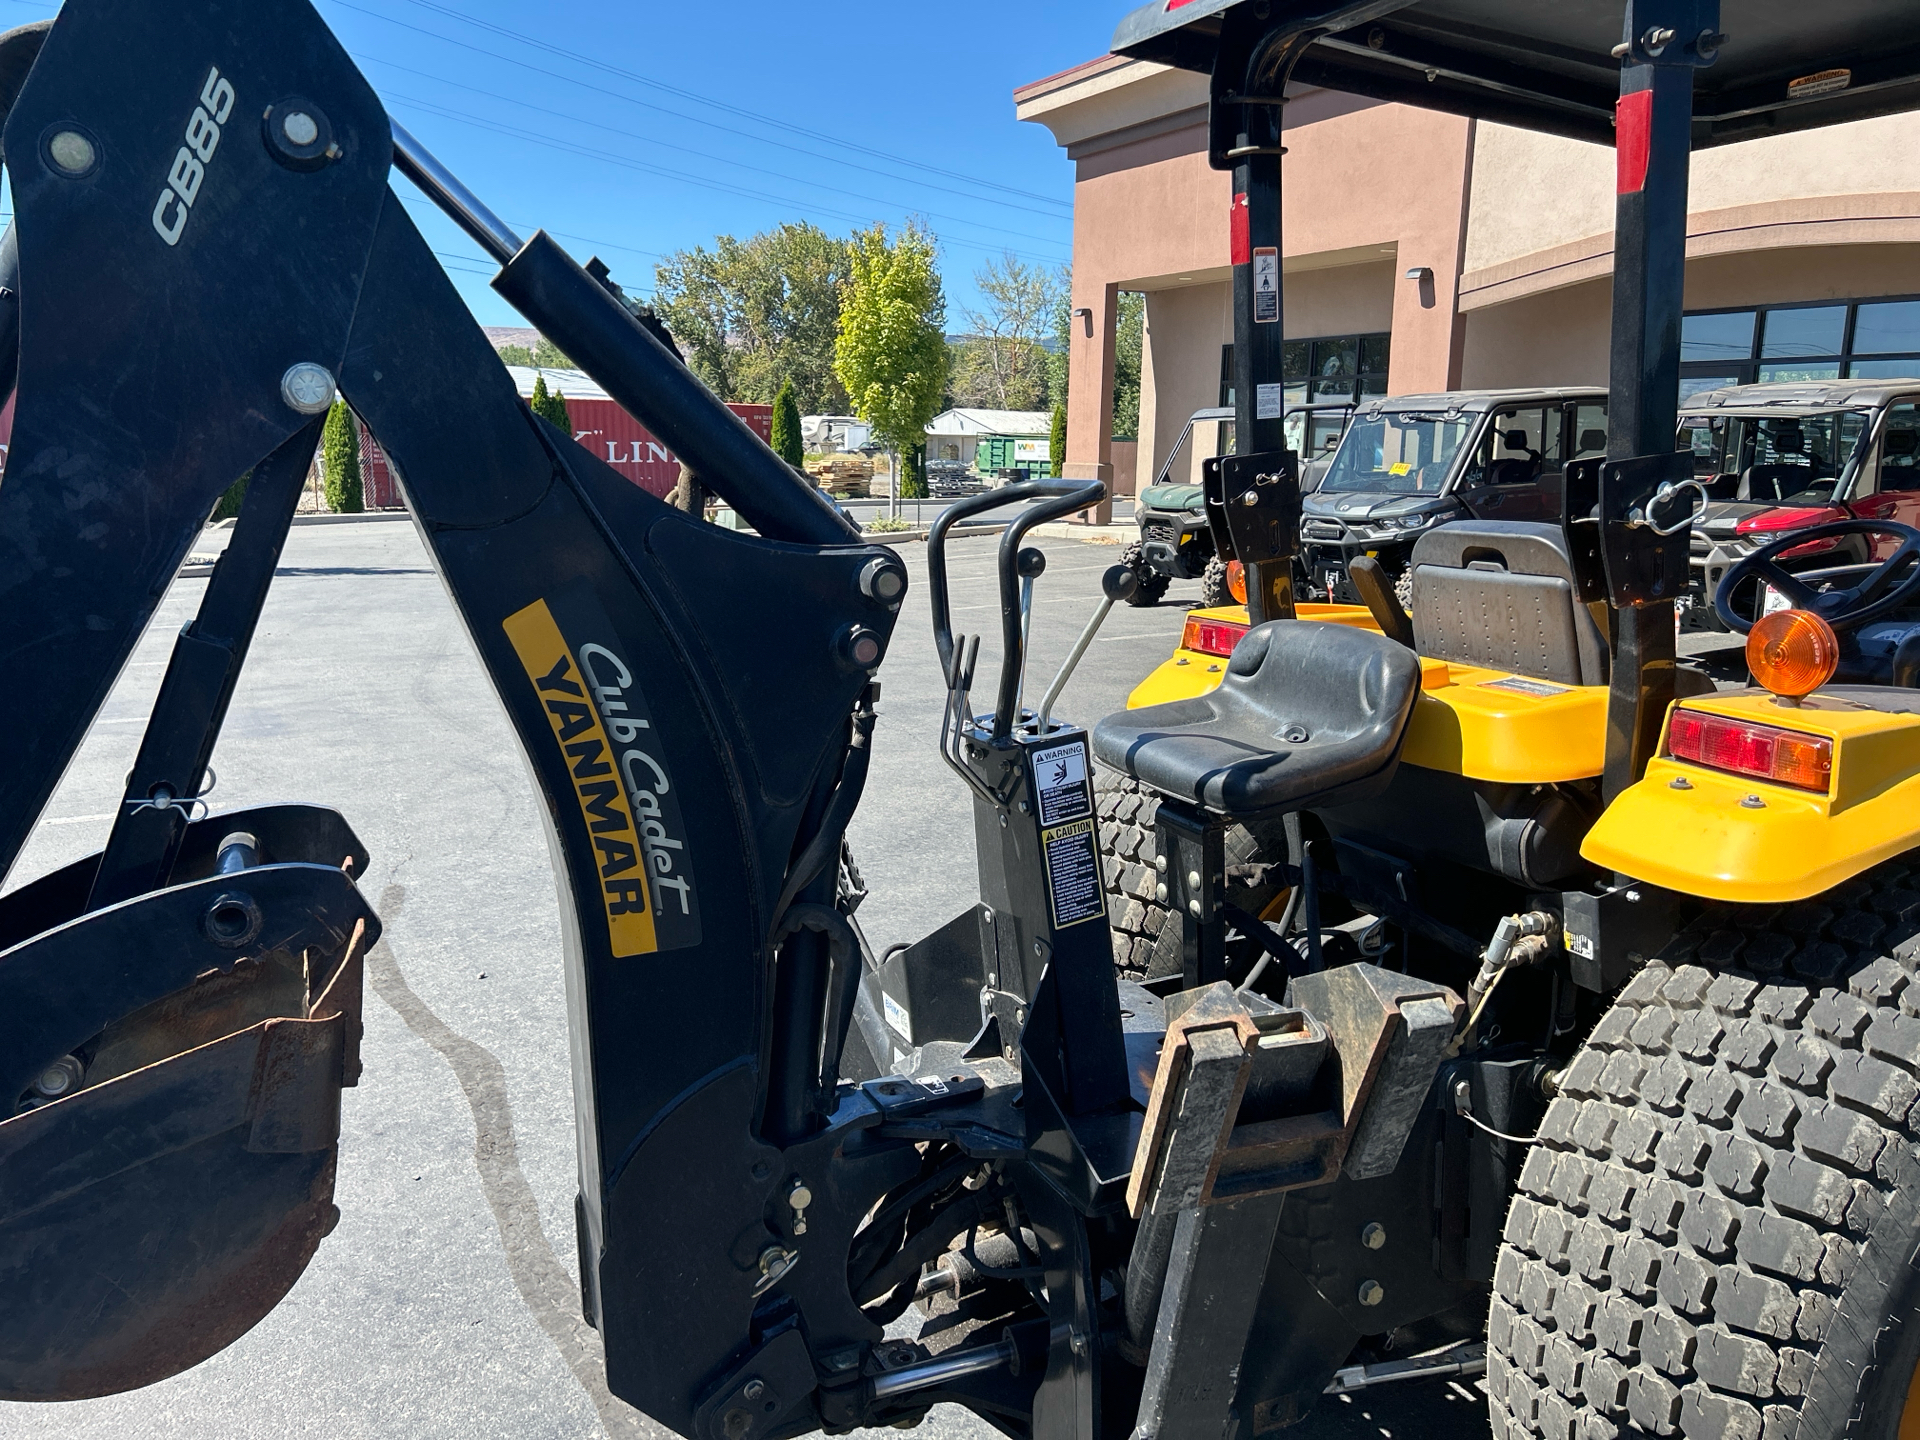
[1031,565]
[1057,498]
[1117,584]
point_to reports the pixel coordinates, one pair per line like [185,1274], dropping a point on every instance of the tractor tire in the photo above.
[1213,584]
[1152,583]
[1403,589]
[1718,1232]
[1146,937]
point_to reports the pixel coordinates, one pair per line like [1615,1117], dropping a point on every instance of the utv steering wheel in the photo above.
[1883,589]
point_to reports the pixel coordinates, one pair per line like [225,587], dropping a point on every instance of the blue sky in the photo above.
[631,130]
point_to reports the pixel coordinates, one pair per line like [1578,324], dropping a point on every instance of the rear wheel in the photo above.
[1718,1234]
[1152,583]
[1146,937]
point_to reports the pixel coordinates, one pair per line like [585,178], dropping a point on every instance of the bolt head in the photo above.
[300,127]
[754,1388]
[1193,908]
[308,388]
[1371,1292]
[1160,892]
[1374,1236]
[72,153]
[1193,879]
[799,1197]
[1160,863]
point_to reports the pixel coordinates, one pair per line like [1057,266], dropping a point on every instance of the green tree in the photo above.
[913,473]
[1003,363]
[1128,352]
[787,441]
[550,405]
[1057,441]
[340,460]
[892,351]
[1059,342]
[751,314]
[544,354]
[228,505]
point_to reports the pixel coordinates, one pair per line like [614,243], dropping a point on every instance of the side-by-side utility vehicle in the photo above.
[1561,1024]
[1176,539]
[1413,462]
[1789,456]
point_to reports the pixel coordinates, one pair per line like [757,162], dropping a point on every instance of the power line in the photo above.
[726,107]
[761,140]
[688,150]
[645,167]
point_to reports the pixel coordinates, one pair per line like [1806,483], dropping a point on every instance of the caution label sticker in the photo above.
[1060,782]
[1073,873]
[616,771]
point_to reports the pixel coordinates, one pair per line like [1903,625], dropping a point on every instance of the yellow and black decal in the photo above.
[616,769]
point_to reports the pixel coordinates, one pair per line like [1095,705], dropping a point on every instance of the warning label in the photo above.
[1060,780]
[1269,402]
[1073,873]
[1266,285]
[1519,685]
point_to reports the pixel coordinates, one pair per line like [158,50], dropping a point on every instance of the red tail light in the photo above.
[1761,752]
[1211,637]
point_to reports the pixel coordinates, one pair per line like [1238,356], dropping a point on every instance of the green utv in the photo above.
[1175,541]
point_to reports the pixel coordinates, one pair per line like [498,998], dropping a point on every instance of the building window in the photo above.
[1331,367]
[1867,339]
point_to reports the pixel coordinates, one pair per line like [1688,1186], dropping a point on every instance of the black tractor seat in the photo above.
[1307,714]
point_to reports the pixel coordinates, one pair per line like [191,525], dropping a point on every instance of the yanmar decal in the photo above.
[617,770]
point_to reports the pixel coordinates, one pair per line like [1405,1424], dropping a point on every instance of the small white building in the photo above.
[834,434]
[1014,438]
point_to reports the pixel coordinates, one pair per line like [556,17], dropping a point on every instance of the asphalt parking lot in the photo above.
[444,1307]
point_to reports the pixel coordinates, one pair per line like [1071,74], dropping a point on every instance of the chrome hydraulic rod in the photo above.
[461,205]
[946,1367]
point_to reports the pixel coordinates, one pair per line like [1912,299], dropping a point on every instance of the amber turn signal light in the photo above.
[1792,652]
[1237,581]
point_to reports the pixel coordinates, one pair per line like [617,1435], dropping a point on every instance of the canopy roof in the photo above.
[1549,66]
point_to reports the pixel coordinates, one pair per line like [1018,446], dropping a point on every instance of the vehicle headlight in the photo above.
[1413,522]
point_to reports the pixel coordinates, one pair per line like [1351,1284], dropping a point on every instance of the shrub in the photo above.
[787,442]
[340,461]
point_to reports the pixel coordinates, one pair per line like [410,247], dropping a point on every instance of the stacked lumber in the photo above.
[847,476]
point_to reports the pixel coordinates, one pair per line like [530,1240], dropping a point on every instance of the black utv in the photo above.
[1412,462]
[1175,542]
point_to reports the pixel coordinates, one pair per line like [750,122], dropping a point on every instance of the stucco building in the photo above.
[1426,252]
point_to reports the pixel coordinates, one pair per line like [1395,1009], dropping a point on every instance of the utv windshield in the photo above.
[1398,453]
[1773,459]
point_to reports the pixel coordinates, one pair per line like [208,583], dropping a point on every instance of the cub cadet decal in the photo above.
[623,790]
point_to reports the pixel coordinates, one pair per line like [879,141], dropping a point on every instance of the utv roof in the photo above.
[1784,64]
[1800,397]
[1477,400]
[1225,412]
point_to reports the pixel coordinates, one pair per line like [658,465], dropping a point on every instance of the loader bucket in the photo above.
[175,1182]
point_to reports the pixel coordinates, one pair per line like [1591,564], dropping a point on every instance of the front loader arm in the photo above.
[687,697]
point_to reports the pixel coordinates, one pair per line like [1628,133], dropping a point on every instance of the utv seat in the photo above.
[1501,594]
[1307,714]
